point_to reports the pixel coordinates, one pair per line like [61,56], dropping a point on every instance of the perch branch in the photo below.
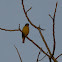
[41,49]
[35,27]
[27,38]
[37,46]
[39,31]
[12,30]
[9,30]
[31,41]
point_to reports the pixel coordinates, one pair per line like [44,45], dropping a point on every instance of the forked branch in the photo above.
[27,38]
[53,18]
[41,58]
[38,28]
[35,27]
[58,56]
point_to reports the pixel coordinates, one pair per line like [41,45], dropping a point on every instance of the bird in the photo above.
[25,32]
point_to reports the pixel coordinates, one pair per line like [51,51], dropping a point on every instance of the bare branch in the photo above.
[35,27]
[45,42]
[37,46]
[39,32]
[12,30]
[50,59]
[41,58]
[55,11]
[19,28]
[27,38]
[28,9]
[38,56]
[53,18]
[59,56]
[27,16]
[46,46]
[18,53]
[9,30]
[41,49]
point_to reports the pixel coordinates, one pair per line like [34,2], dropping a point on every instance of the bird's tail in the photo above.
[23,39]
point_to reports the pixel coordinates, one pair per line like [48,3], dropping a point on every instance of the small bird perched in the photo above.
[25,32]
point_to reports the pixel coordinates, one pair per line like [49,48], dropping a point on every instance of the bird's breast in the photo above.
[25,30]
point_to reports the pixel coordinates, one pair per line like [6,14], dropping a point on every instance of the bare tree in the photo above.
[48,54]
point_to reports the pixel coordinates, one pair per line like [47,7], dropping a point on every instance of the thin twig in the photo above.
[58,56]
[18,53]
[51,16]
[12,30]
[38,56]
[43,57]
[9,30]
[29,9]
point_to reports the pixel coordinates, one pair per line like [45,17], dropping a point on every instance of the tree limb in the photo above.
[53,18]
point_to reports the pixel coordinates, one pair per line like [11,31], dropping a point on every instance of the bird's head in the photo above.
[26,24]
